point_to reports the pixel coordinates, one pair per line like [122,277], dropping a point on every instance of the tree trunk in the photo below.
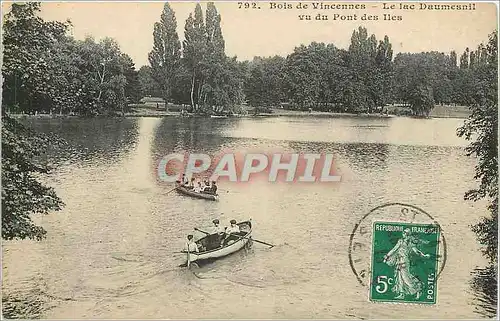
[192,93]
[102,82]
[200,91]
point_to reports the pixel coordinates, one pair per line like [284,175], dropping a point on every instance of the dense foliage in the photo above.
[22,193]
[45,70]
[482,129]
[363,78]
[165,58]
[200,75]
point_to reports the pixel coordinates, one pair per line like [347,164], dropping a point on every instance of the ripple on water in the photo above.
[109,252]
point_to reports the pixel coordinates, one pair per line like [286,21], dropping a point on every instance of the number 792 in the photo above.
[248,5]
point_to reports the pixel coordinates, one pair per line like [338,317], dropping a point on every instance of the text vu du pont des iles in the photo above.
[339,13]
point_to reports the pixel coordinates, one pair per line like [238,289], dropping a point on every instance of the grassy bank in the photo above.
[450,112]
[439,111]
[392,111]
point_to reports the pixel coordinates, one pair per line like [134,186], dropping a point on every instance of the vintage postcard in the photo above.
[249,160]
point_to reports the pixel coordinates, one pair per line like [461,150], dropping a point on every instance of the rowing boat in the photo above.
[234,244]
[189,192]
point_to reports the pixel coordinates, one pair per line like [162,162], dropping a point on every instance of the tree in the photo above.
[211,86]
[32,48]
[265,83]
[22,194]
[317,77]
[213,64]
[132,87]
[383,83]
[165,57]
[428,75]
[148,85]
[101,66]
[464,59]
[482,129]
[421,99]
[194,51]
[453,58]
[361,63]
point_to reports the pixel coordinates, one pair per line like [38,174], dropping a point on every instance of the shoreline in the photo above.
[276,113]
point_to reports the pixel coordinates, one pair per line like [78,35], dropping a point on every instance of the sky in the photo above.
[268,32]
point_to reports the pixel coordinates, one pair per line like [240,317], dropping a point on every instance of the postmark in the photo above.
[361,238]
[404,262]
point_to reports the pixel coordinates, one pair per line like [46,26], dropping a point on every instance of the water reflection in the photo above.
[188,134]
[484,283]
[88,140]
[109,252]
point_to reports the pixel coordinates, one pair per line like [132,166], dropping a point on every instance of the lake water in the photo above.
[110,252]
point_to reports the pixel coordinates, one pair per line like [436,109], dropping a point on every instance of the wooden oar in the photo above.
[173,189]
[243,237]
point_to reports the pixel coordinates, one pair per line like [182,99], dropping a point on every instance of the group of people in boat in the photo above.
[199,186]
[218,237]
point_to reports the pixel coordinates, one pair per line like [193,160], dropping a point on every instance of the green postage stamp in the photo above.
[404,262]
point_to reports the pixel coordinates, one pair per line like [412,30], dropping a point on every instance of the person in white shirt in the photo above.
[197,189]
[191,246]
[231,230]
[216,235]
[217,229]
[191,183]
[234,228]
[206,186]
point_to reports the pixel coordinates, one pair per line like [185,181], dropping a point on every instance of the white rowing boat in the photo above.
[236,243]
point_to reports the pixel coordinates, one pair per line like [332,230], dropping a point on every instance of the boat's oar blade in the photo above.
[268,244]
[173,189]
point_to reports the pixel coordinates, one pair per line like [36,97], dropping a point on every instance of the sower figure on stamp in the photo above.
[405,283]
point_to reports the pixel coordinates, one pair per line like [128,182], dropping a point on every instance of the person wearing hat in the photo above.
[191,246]
[216,235]
[185,180]
[213,189]
[217,229]
[205,186]
[234,228]
[231,230]
[191,183]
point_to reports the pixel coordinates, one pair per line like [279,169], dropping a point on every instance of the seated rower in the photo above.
[231,231]
[191,183]
[213,189]
[183,181]
[217,229]
[191,246]
[205,186]
[197,189]
[216,235]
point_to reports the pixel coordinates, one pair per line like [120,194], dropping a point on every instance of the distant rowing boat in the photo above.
[236,243]
[217,116]
[189,192]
